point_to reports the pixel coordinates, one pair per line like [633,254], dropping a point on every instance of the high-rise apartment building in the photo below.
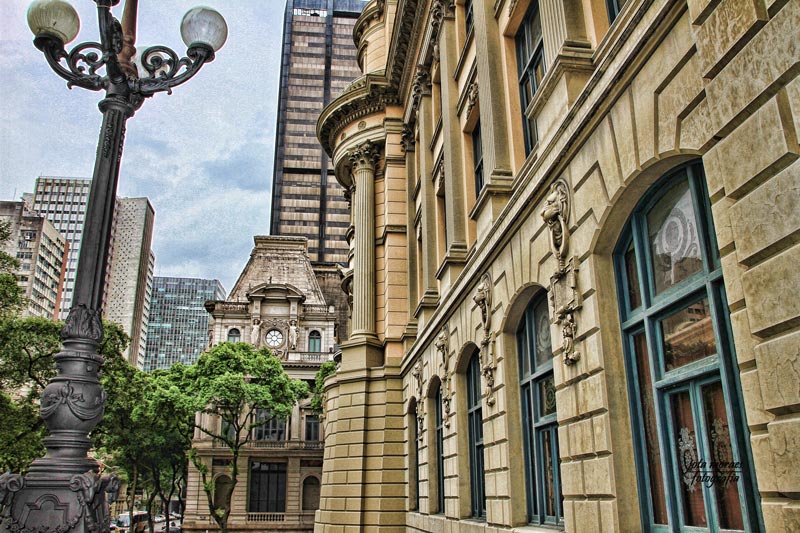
[42,254]
[63,202]
[130,266]
[178,325]
[130,276]
[318,62]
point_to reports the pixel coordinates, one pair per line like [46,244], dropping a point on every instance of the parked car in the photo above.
[139,522]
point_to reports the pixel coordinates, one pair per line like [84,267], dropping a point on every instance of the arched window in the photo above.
[314,341]
[234,335]
[439,451]
[310,494]
[475,425]
[539,426]
[682,375]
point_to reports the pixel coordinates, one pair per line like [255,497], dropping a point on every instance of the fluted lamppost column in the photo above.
[364,160]
[63,492]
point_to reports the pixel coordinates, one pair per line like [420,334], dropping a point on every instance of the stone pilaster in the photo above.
[455,217]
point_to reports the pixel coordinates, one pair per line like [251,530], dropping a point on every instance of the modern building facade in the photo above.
[276,302]
[574,235]
[130,265]
[42,253]
[63,201]
[178,323]
[130,278]
[318,61]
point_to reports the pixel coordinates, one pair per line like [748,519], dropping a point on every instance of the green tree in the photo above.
[11,299]
[230,381]
[326,369]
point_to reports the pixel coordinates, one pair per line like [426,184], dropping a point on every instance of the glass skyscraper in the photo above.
[178,327]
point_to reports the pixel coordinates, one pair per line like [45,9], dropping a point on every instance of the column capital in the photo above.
[365,156]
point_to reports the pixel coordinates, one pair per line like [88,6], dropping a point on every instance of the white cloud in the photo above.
[203,155]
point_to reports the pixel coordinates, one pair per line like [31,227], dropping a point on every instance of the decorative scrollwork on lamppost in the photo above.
[63,491]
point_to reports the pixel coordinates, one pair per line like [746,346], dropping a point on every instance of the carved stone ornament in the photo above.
[442,345]
[421,86]
[440,9]
[556,215]
[408,138]
[564,294]
[83,323]
[365,156]
[416,372]
[472,97]
[483,298]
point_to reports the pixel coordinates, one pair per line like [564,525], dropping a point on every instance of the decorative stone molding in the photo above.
[365,156]
[442,345]
[408,138]
[556,215]
[439,10]
[421,86]
[564,294]
[472,97]
[483,298]
[416,372]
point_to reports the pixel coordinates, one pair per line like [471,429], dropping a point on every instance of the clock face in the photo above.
[274,338]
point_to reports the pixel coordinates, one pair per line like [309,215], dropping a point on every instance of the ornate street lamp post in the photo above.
[63,491]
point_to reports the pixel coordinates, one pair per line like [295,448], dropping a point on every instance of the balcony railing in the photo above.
[308,357]
[279,444]
[306,517]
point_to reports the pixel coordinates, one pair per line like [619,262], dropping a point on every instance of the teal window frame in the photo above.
[536,425]
[477,156]
[614,7]
[314,341]
[646,317]
[475,424]
[439,431]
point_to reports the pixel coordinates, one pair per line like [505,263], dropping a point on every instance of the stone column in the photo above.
[364,159]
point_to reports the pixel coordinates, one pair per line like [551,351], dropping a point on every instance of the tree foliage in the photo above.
[11,299]
[326,369]
[229,382]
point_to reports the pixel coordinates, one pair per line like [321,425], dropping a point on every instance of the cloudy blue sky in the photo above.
[203,156]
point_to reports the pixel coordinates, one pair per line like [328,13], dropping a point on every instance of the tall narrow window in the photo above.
[614,7]
[531,67]
[469,17]
[413,463]
[439,453]
[477,157]
[314,341]
[267,488]
[539,426]
[684,395]
[475,425]
[234,335]
[312,428]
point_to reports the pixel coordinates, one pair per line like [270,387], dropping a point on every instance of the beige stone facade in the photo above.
[445,267]
[276,302]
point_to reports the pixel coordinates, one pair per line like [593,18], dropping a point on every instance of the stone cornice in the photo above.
[404,40]
[367,95]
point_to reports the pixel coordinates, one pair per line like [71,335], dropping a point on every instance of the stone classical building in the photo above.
[574,245]
[276,302]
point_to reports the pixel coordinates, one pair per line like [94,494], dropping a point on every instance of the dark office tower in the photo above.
[178,329]
[318,61]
